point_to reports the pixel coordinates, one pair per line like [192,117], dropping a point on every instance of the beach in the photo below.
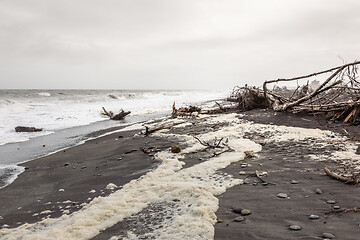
[127,185]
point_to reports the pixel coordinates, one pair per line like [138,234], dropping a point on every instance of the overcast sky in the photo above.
[171,44]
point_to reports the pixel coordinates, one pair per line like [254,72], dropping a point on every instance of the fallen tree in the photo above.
[119,116]
[338,96]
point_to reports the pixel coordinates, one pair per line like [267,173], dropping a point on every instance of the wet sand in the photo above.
[117,159]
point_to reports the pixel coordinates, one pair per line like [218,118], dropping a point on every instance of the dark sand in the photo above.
[272,216]
[113,159]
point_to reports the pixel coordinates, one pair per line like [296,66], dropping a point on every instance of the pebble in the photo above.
[328,235]
[282,195]
[336,207]
[314,216]
[265,184]
[242,172]
[244,165]
[239,219]
[237,209]
[294,182]
[318,191]
[245,212]
[66,164]
[220,220]
[270,158]
[295,227]
[246,181]
[330,201]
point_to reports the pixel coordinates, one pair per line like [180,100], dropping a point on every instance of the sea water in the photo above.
[68,116]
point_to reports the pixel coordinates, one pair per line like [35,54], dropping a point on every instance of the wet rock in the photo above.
[318,191]
[265,184]
[237,209]
[328,235]
[245,212]
[282,195]
[220,220]
[246,181]
[244,165]
[294,182]
[295,227]
[312,217]
[175,149]
[331,201]
[336,207]
[239,219]
[66,164]
[242,173]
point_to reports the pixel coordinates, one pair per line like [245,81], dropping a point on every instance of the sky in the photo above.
[171,44]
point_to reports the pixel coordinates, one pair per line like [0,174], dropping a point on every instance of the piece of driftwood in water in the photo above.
[354,179]
[27,129]
[119,116]
[337,96]
[149,131]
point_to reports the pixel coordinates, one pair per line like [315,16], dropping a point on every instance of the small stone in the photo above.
[242,173]
[336,207]
[245,212]
[201,159]
[318,191]
[330,201]
[265,184]
[239,219]
[244,165]
[26,168]
[66,164]
[220,220]
[175,149]
[83,167]
[246,181]
[294,182]
[328,235]
[237,209]
[120,158]
[312,216]
[295,227]
[270,158]
[282,195]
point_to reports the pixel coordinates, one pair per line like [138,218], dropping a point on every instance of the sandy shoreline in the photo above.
[117,159]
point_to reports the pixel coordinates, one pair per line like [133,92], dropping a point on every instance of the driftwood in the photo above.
[149,131]
[345,210]
[353,179]
[27,129]
[338,96]
[216,143]
[120,116]
[184,111]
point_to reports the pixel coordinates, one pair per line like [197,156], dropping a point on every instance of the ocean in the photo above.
[67,117]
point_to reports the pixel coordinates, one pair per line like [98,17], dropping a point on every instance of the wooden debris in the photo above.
[149,131]
[338,96]
[120,116]
[215,144]
[354,178]
[345,210]
[27,129]
[184,111]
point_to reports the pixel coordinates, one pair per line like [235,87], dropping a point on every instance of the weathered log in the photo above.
[27,129]
[120,116]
